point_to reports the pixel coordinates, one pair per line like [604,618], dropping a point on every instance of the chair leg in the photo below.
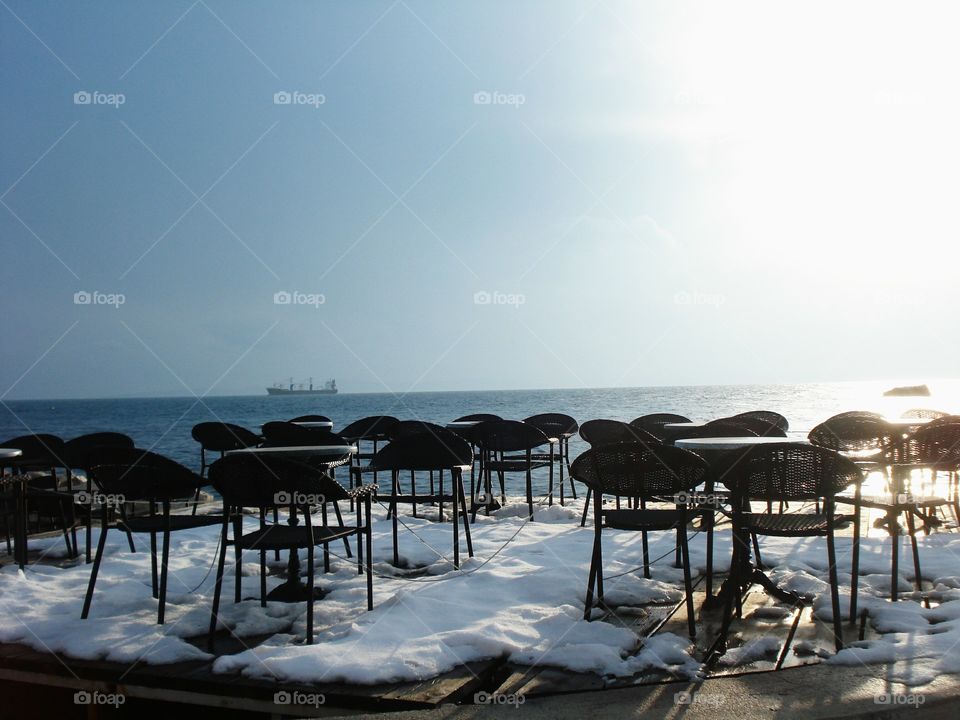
[101,544]
[710,520]
[834,590]
[646,554]
[911,528]
[369,535]
[466,518]
[218,585]
[456,532]
[855,557]
[396,552]
[123,516]
[894,555]
[529,492]
[154,582]
[688,584]
[359,507]
[310,574]
[276,521]
[591,577]
[586,508]
[326,546]
[413,491]
[756,550]
[549,483]
[237,556]
[263,563]
[163,568]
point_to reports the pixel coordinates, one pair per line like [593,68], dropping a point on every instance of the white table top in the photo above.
[325,424]
[9,453]
[906,421]
[680,426]
[732,443]
[463,424]
[297,450]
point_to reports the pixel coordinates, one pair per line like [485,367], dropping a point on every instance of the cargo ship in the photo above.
[291,388]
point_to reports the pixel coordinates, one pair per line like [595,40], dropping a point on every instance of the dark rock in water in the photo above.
[908,391]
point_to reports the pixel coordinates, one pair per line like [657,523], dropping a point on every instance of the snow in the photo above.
[520,598]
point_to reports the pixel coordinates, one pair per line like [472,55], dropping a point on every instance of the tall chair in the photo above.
[219,437]
[784,472]
[604,432]
[467,434]
[80,451]
[433,452]
[774,418]
[268,482]
[130,475]
[639,470]
[511,436]
[374,429]
[562,427]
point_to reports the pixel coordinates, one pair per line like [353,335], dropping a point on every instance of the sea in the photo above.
[163,424]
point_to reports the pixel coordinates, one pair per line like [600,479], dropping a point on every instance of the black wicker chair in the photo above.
[511,436]
[467,434]
[267,482]
[220,437]
[638,470]
[432,452]
[48,491]
[862,435]
[310,418]
[604,432]
[785,472]
[80,451]
[774,418]
[131,475]
[654,422]
[561,427]
[934,447]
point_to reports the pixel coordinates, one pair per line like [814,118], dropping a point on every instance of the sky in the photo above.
[210,197]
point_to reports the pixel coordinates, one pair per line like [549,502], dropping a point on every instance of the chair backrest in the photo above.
[633,469]
[852,433]
[604,432]
[406,428]
[40,450]
[758,426]
[286,434]
[789,471]
[264,481]
[554,424]
[79,450]
[774,418]
[508,436]
[478,417]
[424,451]
[139,474]
[934,443]
[717,428]
[310,418]
[654,420]
[923,414]
[856,413]
[221,436]
[375,427]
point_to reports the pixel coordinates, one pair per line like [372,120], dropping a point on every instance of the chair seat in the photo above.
[280,537]
[642,519]
[177,522]
[508,465]
[789,525]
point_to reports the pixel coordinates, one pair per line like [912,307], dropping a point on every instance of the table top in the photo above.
[906,422]
[9,453]
[463,424]
[681,426]
[732,443]
[309,450]
[325,424]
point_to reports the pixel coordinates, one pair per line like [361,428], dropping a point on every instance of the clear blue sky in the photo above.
[655,193]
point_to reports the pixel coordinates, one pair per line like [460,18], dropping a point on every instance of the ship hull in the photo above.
[284,391]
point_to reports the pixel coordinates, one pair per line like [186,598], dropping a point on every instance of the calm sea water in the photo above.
[163,424]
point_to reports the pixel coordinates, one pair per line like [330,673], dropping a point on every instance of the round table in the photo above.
[316,424]
[20,521]
[732,443]
[683,425]
[293,590]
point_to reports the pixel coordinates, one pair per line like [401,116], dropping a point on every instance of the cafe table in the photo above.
[8,457]
[716,451]
[293,590]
